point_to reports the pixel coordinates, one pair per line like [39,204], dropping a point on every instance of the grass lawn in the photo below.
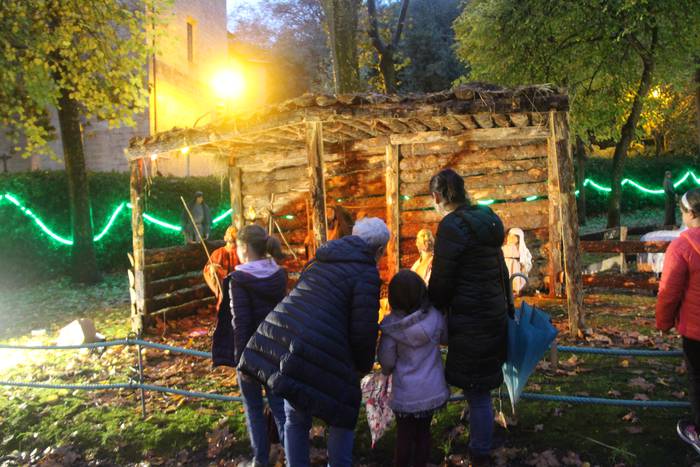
[90,428]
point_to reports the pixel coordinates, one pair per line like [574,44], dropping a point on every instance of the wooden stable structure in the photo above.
[374,155]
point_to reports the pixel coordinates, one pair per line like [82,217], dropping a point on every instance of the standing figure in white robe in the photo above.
[518,257]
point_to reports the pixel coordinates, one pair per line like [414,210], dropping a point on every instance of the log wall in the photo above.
[355,178]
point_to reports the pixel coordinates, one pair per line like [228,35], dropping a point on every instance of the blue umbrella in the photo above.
[529,336]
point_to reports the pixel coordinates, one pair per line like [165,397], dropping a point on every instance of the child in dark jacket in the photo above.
[254,288]
[409,350]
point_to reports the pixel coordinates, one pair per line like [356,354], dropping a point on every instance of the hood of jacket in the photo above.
[264,281]
[692,235]
[414,330]
[486,226]
[351,249]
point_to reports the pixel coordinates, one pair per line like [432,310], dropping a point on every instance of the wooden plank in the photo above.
[170,284]
[178,297]
[317,186]
[481,177]
[393,156]
[234,183]
[423,172]
[619,281]
[175,253]
[627,246]
[184,309]
[481,188]
[138,302]
[479,134]
[568,218]
[555,247]
[174,268]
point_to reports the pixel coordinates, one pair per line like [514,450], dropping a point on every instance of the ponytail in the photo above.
[450,186]
[257,240]
[273,247]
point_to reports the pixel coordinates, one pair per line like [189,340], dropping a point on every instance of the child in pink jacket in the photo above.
[678,304]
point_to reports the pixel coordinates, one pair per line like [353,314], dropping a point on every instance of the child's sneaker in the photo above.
[686,430]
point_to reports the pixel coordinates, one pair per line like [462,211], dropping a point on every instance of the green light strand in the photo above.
[108,226]
[222,216]
[640,187]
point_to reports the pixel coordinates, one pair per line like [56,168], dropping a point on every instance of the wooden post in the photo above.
[555,260]
[317,188]
[568,218]
[393,219]
[138,290]
[623,257]
[234,183]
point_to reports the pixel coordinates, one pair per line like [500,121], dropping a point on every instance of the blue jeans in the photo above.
[480,421]
[296,440]
[254,406]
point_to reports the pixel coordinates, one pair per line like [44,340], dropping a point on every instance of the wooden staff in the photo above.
[201,240]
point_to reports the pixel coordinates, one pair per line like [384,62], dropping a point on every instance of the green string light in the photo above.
[108,226]
[176,228]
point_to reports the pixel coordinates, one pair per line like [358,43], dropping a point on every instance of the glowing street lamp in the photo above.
[228,84]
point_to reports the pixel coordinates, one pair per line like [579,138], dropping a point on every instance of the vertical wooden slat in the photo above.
[138,292]
[568,218]
[314,151]
[393,219]
[555,259]
[234,181]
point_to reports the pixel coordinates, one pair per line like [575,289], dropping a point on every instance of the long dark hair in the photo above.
[450,186]
[257,240]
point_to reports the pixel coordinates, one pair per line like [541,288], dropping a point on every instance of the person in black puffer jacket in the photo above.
[251,291]
[470,283]
[321,339]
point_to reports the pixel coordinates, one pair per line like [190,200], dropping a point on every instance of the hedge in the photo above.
[27,253]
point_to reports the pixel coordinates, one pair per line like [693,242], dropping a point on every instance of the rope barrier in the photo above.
[224,398]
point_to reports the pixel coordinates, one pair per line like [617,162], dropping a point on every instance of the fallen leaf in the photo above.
[539,427]
[543,459]
[631,417]
[634,430]
[678,394]
[641,397]
[641,383]
[614,393]
[571,458]
[624,363]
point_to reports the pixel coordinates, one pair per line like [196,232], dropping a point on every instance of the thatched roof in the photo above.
[363,116]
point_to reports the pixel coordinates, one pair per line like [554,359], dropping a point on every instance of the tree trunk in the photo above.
[580,155]
[83,260]
[627,135]
[386,66]
[341,21]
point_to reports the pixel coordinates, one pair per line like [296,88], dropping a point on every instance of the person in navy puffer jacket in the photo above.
[251,291]
[321,339]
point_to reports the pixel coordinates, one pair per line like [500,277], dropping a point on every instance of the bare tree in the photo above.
[386,51]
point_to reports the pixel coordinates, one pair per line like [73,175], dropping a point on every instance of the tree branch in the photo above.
[374,28]
[399,25]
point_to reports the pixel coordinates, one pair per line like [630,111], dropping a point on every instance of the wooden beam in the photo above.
[138,291]
[554,242]
[568,218]
[627,247]
[393,217]
[234,183]
[478,134]
[619,281]
[314,151]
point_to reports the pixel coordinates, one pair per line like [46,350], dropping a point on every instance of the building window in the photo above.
[190,42]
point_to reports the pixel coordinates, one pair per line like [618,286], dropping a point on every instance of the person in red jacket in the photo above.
[678,304]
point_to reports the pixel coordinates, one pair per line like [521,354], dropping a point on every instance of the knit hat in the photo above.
[407,291]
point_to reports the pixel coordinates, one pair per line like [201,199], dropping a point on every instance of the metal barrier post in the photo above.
[143,392]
